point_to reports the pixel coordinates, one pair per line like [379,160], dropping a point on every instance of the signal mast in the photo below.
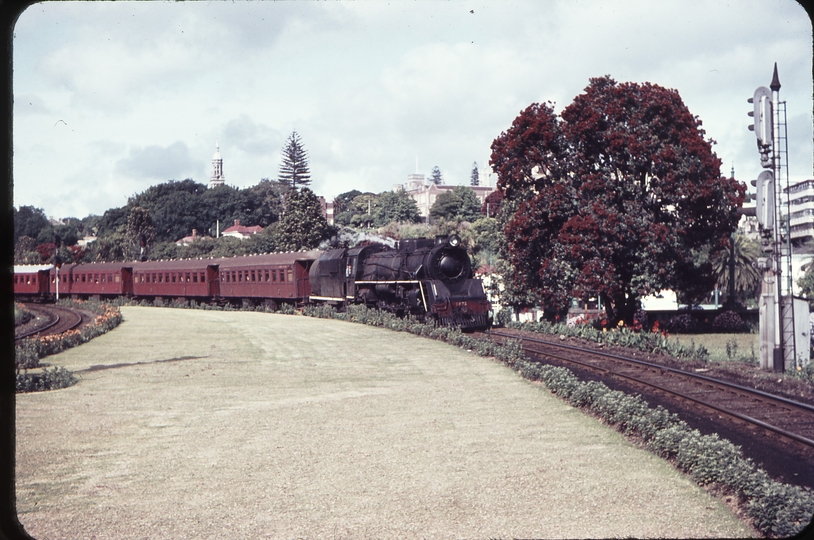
[784,330]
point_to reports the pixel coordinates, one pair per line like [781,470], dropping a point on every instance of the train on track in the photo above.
[426,278]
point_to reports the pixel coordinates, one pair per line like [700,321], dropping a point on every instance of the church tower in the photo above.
[217,178]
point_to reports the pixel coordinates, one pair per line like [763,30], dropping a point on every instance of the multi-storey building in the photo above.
[801,211]
[424,194]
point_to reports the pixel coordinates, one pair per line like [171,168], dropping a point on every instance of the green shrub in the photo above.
[49,379]
[21,314]
[729,322]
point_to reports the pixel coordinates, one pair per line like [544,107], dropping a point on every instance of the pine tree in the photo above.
[475,180]
[436,176]
[294,169]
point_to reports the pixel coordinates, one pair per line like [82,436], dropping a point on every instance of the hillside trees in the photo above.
[32,222]
[611,198]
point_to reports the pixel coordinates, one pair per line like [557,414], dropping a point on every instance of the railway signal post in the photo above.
[784,332]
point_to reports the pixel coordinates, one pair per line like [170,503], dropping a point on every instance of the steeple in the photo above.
[217,178]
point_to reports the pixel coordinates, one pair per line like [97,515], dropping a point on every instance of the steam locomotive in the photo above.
[425,278]
[421,277]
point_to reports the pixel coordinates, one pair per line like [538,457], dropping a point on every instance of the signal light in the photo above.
[762,113]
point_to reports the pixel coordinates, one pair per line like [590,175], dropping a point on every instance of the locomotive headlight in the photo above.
[454,240]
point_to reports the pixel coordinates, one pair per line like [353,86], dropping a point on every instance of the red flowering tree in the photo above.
[613,198]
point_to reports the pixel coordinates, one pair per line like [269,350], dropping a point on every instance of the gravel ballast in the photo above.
[209,424]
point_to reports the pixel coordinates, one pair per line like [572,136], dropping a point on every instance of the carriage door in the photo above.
[350,277]
[127,281]
[213,279]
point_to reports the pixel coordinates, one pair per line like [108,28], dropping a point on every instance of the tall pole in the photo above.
[778,246]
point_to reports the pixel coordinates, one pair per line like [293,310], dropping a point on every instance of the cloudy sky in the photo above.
[112,97]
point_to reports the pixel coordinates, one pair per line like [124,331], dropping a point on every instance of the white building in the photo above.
[425,193]
[217,178]
[801,210]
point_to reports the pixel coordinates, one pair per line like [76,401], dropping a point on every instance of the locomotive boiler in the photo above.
[425,278]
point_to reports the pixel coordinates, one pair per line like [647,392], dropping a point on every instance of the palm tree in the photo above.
[747,277]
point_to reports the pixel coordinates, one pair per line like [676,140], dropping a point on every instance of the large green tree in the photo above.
[294,170]
[612,196]
[460,204]
[302,226]
[436,177]
[747,276]
[32,222]
[395,206]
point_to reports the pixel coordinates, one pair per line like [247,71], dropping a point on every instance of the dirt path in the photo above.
[198,424]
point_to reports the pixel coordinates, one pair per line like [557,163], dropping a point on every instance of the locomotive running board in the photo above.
[327,298]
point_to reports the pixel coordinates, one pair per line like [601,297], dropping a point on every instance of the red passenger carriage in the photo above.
[192,279]
[31,282]
[274,277]
[93,280]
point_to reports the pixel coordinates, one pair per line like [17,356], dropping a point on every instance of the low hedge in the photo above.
[651,342]
[776,509]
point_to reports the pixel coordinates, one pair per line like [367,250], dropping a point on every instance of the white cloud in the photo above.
[159,163]
[145,89]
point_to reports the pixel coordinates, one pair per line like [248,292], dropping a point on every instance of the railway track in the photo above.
[50,320]
[772,429]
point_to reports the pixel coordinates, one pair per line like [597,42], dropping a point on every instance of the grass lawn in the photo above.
[190,424]
[724,347]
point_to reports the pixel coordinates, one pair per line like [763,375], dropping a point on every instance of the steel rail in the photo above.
[734,414]
[734,386]
[43,328]
[53,311]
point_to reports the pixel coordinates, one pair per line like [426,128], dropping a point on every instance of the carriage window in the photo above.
[167,277]
[290,275]
[117,278]
[267,275]
[173,278]
[253,276]
[274,275]
[83,278]
[103,278]
[64,279]
[194,277]
[96,278]
[203,279]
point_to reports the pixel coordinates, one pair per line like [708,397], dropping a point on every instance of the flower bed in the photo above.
[30,350]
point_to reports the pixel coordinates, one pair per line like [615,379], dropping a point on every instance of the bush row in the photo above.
[727,322]
[29,351]
[651,342]
[776,509]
